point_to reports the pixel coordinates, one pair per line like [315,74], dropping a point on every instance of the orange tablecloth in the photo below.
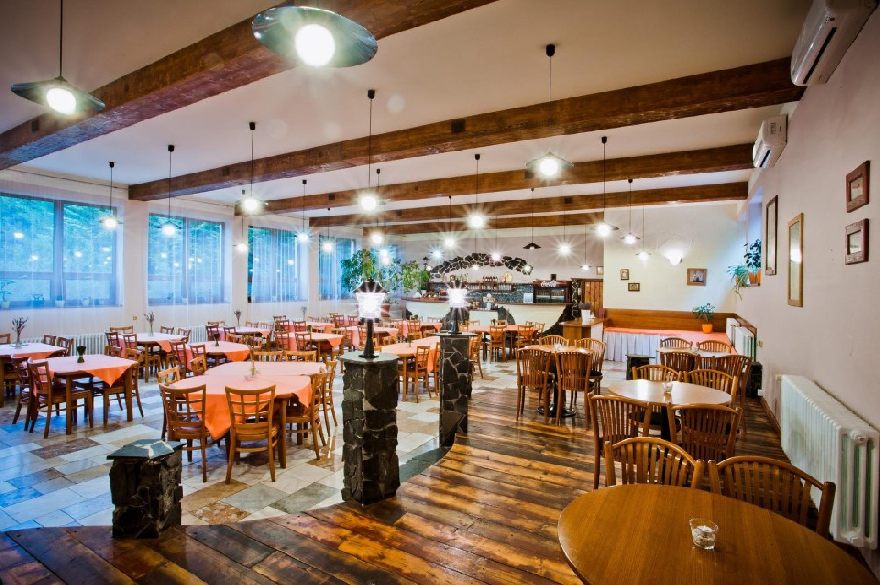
[104,367]
[35,351]
[408,349]
[289,378]
[356,335]
[163,340]
[236,352]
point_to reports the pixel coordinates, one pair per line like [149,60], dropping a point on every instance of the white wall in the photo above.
[707,236]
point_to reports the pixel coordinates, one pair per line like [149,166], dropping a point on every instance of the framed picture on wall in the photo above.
[771,225]
[857,187]
[624,274]
[796,261]
[633,287]
[696,276]
[857,242]
[600,271]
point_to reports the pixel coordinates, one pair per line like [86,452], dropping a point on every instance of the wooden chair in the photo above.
[185,418]
[655,373]
[48,339]
[282,340]
[212,332]
[675,342]
[597,347]
[180,357]
[66,343]
[48,394]
[651,460]
[707,431]
[251,413]
[714,345]
[268,356]
[167,377]
[304,341]
[474,356]
[299,326]
[532,374]
[417,371]
[167,330]
[198,365]
[552,340]
[306,417]
[122,329]
[680,361]
[118,387]
[301,356]
[20,366]
[328,403]
[500,322]
[573,370]
[5,338]
[616,419]
[497,341]
[112,350]
[739,366]
[114,339]
[774,485]
[525,335]
[713,379]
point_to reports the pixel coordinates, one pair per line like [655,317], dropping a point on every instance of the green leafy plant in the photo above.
[363,265]
[705,312]
[751,265]
[413,276]
[752,255]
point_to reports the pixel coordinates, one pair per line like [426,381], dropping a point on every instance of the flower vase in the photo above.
[18,342]
[80,353]
[151,329]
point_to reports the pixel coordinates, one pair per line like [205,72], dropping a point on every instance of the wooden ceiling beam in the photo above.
[565,203]
[709,160]
[750,86]
[457,226]
[221,62]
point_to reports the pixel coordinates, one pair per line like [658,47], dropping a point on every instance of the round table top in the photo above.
[222,347]
[156,337]
[33,350]
[640,534]
[682,392]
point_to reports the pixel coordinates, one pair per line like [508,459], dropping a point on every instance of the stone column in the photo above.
[145,488]
[369,424]
[455,385]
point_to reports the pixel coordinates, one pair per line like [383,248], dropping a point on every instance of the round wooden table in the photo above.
[682,392]
[640,534]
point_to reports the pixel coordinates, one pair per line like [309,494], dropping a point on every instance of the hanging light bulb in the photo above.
[630,238]
[109,221]
[564,249]
[643,255]
[303,236]
[329,244]
[475,267]
[549,166]
[368,202]
[377,238]
[250,204]
[169,229]
[241,247]
[437,254]
[603,228]
[532,245]
[476,222]
[448,242]
[585,267]
[314,45]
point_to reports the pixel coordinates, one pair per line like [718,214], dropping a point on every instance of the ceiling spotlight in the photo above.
[630,238]
[643,255]
[327,246]
[496,257]
[368,202]
[377,238]
[564,249]
[302,237]
[476,222]
[448,242]
[531,246]
[548,166]
[585,267]
[241,247]
[314,36]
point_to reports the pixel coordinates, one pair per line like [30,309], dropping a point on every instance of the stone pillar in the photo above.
[145,488]
[455,385]
[369,427]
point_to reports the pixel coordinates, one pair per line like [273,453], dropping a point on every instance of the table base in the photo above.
[566,412]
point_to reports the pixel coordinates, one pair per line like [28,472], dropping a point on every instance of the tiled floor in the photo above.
[64,480]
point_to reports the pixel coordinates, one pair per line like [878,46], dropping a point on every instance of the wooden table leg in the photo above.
[283,435]
[68,386]
[127,384]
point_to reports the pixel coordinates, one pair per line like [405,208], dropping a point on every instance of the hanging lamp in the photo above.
[532,245]
[603,228]
[251,204]
[449,241]
[369,200]
[109,221]
[476,220]
[59,94]
[643,254]
[242,246]
[586,265]
[168,228]
[303,236]
[630,238]
[376,236]
[564,246]
[314,37]
[496,254]
[548,166]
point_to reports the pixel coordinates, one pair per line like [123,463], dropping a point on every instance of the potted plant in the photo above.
[5,292]
[752,258]
[705,312]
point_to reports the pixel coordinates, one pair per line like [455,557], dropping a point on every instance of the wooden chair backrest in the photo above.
[708,431]
[422,354]
[496,332]
[165,329]
[552,340]
[113,338]
[655,373]
[301,356]
[597,347]
[66,343]
[501,322]
[680,361]
[41,377]
[532,367]
[198,349]
[573,370]
[184,411]
[713,379]
[737,365]
[619,418]
[123,329]
[282,325]
[168,376]
[112,350]
[212,331]
[303,339]
[714,345]
[651,460]
[283,339]
[299,326]
[178,349]
[130,340]
[251,411]
[48,339]
[198,365]
[268,356]
[774,485]
[184,333]
[675,342]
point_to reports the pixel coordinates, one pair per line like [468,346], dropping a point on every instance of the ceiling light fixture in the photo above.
[630,238]
[449,240]
[368,200]
[643,254]
[314,37]
[59,94]
[329,244]
[564,246]
[241,247]
[251,204]
[109,221]
[532,245]
[603,228]
[169,229]
[303,236]
[548,166]
[476,220]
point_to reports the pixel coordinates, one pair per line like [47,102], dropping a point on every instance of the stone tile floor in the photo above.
[64,480]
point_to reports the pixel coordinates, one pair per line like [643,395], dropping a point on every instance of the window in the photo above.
[330,267]
[55,253]
[186,267]
[273,265]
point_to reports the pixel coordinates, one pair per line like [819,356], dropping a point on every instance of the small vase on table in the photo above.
[80,353]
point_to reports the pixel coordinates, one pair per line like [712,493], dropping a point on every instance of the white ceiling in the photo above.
[482,60]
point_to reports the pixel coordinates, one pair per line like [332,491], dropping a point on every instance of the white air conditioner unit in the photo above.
[829,29]
[771,140]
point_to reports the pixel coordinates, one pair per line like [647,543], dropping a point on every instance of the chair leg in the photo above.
[326,417]
[271,449]
[315,438]
[48,420]
[231,450]
[18,411]
[332,409]
[189,453]
[202,442]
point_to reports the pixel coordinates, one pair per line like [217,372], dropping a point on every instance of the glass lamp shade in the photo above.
[369,297]
[457,294]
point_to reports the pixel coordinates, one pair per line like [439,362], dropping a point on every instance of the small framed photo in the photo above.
[600,271]
[696,276]
[857,187]
[857,242]
[624,274]
[633,287]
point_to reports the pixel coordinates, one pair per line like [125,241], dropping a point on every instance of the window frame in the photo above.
[339,293]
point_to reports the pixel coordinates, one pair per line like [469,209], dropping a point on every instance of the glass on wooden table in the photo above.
[703,533]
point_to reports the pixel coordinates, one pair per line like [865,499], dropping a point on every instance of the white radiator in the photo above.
[831,443]
[95,342]
[730,324]
[744,342]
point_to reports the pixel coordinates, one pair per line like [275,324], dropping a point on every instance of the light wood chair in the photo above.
[198,365]
[497,340]
[655,373]
[474,356]
[329,402]
[675,342]
[305,419]
[597,347]
[532,374]
[268,356]
[707,431]
[615,419]
[304,341]
[185,419]
[122,329]
[180,358]
[714,345]
[48,394]
[651,460]
[185,333]
[680,361]
[739,366]
[282,340]
[118,387]
[301,356]
[714,379]
[5,338]
[20,367]
[170,330]
[167,377]
[48,339]
[552,340]
[774,485]
[417,371]
[573,370]
[251,413]
[66,343]
[212,332]
[525,335]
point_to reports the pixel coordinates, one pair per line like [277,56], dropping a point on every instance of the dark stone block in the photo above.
[455,385]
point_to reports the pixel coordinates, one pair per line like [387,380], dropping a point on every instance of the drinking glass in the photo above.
[703,533]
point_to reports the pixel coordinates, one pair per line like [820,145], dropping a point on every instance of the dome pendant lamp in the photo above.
[548,166]
[532,245]
[630,238]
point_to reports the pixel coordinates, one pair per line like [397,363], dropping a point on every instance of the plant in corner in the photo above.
[749,272]
[705,312]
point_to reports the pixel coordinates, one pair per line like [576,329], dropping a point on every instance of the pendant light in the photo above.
[242,246]
[630,238]
[303,236]
[169,230]
[476,220]
[329,245]
[496,254]
[564,246]
[603,228]
[251,204]
[368,200]
[59,94]
[377,237]
[109,221]
[532,245]
[586,265]
[314,37]
[449,241]
[643,254]
[548,166]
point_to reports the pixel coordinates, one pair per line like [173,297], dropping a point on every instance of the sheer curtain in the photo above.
[186,267]
[273,265]
[330,267]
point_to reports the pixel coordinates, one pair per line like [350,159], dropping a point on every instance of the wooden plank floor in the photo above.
[485,513]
